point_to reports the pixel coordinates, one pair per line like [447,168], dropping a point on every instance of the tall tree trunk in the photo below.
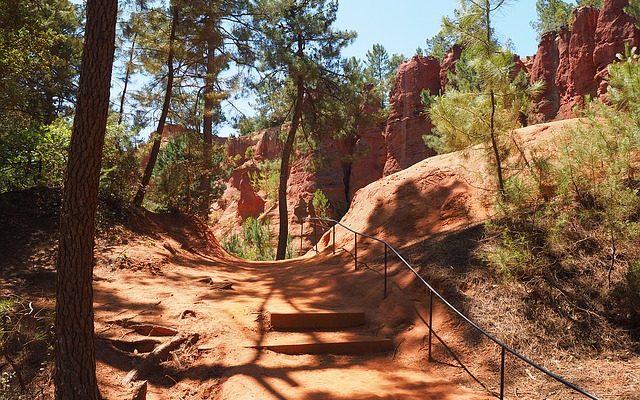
[207,129]
[75,363]
[283,214]
[155,149]
[127,75]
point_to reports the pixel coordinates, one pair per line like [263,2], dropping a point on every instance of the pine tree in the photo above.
[155,149]
[552,15]
[299,55]
[487,95]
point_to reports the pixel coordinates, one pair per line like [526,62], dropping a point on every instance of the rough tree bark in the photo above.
[155,149]
[75,364]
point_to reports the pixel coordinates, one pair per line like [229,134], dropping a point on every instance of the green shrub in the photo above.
[255,243]
[267,178]
[320,204]
[34,156]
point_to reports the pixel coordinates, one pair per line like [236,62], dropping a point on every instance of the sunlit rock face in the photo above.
[407,123]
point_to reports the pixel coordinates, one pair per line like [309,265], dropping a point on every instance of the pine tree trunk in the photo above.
[283,214]
[207,131]
[155,149]
[126,78]
[75,364]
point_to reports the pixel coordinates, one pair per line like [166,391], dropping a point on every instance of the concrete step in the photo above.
[324,343]
[325,320]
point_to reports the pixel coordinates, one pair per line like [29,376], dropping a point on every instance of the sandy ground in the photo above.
[222,364]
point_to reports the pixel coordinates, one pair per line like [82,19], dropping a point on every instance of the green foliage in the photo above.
[26,334]
[552,15]
[266,178]
[119,174]
[298,43]
[512,256]
[177,175]
[441,43]
[633,9]
[320,204]
[486,96]
[380,69]
[255,243]
[39,62]
[34,156]
[587,228]
[589,3]
[462,115]
[38,157]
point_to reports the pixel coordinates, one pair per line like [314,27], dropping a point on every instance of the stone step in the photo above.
[325,320]
[316,344]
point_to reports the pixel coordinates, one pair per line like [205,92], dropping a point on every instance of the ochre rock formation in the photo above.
[407,123]
[573,63]
[615,28]
[269,145]
[449,64]
[369,152]
[575,78]
[239,190]
[544,68]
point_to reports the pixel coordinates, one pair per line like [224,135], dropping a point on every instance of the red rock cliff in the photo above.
[406,123]
[573,63]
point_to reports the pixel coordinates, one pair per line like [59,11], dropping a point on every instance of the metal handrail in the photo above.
[433,292]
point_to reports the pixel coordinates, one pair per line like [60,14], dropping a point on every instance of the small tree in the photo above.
[484,101]
[552,15]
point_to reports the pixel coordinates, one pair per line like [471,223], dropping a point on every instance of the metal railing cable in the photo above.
[432,292]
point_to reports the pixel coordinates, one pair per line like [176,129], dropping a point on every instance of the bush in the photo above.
[255,243]
[119,174]
[178,174]
[34,156]
[320,204]
[267,178]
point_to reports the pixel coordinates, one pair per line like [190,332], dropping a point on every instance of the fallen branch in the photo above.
[159,354]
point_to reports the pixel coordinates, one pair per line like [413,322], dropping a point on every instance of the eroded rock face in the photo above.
[240,190]
[406,123]
[615,28]
[449,64]
[544,68]
[577,80]
[269,145]
[369,152]
[573,63]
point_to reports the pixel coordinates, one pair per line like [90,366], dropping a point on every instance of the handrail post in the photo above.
[385,270]
[503,356]
[333,228]
[355,249]
[430,321]
[315,235]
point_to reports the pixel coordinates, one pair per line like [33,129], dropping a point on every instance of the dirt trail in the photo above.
[223,366]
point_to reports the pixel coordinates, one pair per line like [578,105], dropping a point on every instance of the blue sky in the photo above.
[403,25]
